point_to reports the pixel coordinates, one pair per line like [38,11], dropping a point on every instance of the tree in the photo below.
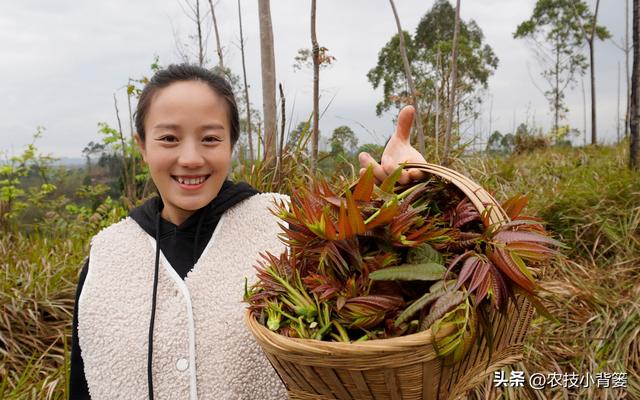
[268,79]
[92,149]
[590,31]
[343,140]
[508,143]
[299,136]
[215,30]
[316,88]
[454,77]
[246,87]
[499,143]
[494,142]
[432,39]
[407,72]
[626,48]
[557,38]
[635,89]
[192,12]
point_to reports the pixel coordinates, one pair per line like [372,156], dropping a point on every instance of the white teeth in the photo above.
[191,181]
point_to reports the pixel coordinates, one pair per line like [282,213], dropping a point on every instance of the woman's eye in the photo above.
[211,139]
[168,139]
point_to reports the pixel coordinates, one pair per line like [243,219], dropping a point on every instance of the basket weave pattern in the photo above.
[402,368]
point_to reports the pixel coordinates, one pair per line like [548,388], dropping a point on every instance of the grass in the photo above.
[592,202]
[589,198]
[37,299]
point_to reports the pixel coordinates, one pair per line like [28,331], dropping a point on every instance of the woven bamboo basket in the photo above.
[402,368]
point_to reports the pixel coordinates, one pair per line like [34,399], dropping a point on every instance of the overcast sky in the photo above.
[61,61]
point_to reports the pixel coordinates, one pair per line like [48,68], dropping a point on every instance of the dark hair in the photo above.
[186,72]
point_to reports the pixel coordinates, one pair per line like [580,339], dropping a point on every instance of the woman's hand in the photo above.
[397,151]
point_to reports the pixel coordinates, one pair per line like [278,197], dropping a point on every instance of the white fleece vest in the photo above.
[201,347]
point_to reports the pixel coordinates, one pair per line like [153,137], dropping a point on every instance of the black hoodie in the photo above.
[181,244]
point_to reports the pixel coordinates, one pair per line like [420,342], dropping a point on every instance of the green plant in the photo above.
[14,196]
[370,263]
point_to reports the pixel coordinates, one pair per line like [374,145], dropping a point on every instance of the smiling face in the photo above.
[187,146]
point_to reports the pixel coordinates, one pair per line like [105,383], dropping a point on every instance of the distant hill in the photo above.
[74,162]
[70,161]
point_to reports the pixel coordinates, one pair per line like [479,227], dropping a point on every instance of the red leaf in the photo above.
[514,236]
[503,261]
[387,212]
[513,206]
[364,187]
[355,217]
[344,228]
[500,290]
[479,276]
[469,266]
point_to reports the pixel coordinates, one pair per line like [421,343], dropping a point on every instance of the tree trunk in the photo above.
[198,23]
[268,79]
[618,108]
[407,73]
[590,38]
[316,88]
[491,116]
[627,50]
[437,90]
[556,100]
[215,30]
[128,180]
[282,125]
[246,87]
[635,83]
[283,119]
[454,78]
[594,138]
[584,113]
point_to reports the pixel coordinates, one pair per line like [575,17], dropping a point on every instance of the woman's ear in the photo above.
[140,143]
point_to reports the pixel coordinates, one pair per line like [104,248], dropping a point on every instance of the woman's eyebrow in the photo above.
[174,127]
[214,125]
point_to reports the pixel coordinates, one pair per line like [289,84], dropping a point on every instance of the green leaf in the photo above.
[417,305]
[384,215]
[342,335]
[540,308]
[443,305]
[390,181]
[410,272]
[424,253]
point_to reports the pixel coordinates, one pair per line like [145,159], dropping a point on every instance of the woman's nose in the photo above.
[190,156]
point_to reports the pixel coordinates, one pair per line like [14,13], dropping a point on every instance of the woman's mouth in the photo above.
[190,181]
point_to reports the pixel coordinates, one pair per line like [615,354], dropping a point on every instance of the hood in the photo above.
[182,244]
[230,194]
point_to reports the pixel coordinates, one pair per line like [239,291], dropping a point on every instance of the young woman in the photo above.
[159,302]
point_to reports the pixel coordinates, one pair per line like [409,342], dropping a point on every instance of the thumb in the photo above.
[405,120]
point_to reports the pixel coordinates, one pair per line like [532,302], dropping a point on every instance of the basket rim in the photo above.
[323,347]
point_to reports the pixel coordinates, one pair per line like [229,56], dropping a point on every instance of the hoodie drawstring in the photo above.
[198,227]
[153,308]
[155,292]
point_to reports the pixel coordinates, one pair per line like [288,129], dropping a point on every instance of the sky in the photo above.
[62,62]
